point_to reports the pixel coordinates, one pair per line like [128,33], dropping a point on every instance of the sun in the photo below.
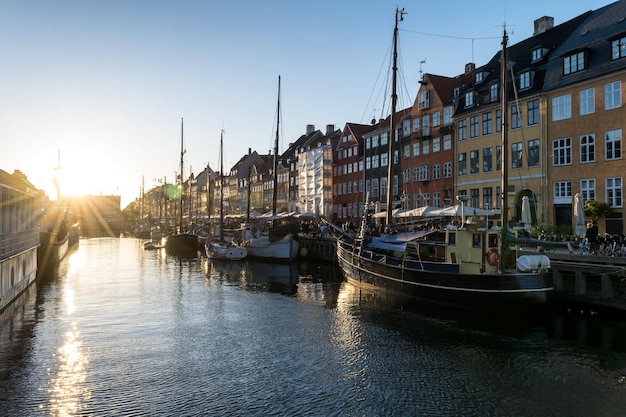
[84,170]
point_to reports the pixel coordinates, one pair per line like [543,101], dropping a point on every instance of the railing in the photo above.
[13,243]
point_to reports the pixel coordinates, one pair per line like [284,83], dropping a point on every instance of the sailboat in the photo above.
[470,267]
[219,248]
[182,244]
[281,241]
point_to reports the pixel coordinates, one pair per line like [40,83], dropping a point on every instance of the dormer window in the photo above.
[574,63]
[618,48]
[524,80]
[423,101]
[537,54]
[469,99]
[480,76]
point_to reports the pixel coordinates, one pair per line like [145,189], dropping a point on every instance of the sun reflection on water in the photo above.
[68,389]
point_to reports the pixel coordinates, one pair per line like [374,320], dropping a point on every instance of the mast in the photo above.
[222,185]
[180,198]
[275,193]
[249,191]
[503,147]
[394,100]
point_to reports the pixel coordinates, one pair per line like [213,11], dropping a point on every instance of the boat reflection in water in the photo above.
[255,276]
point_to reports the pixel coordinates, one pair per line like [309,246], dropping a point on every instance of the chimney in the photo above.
[330,129]
[310,129]
[543,24]
[469,68]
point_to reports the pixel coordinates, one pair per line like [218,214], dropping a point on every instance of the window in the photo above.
[406,175]
[479,77]
[436,171]
[474,197]
[462,164]
[447,115]
[493,92]
[533,153]
[613,95]
[383,139]
[368,162]
[618,48]
[436,144]
[368,143]
[487,198]
[498,120]
[473,126]
[562,191]
[375,187]
[516,155]
[462,130]
[487,127]
[425,147]
[561,107]
[574,63]
[537,54]
[524,80]
[498,197]
[416,148]
[587,148]
[498,158]
[383,186]
[447,169]
[375,161]
[426,125]
[613,144]
[562,151]
[613,187]
[533,112]
[423,172]
[415,174]
[487,159]
[436,199]
[416,200]
[436,119]
[516,117]
[375,141]
[474,162]
[423,101]
[406,128]
[384,159]
[416,124]
[588,189]
[406,151]
[469,99]
[587,101]
[447,142]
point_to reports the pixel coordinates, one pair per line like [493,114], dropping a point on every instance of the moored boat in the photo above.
[19,238]
[54,238]
[471,266]
[181,244]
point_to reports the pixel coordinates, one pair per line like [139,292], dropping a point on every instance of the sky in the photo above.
[102,86]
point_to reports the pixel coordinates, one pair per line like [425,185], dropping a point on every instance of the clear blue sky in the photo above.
[106,83]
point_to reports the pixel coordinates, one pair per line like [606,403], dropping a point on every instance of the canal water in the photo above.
[125,332]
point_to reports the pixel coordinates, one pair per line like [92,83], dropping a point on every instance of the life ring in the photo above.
[493,258]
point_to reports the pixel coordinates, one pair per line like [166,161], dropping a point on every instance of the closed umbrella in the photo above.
[579,216]
[527,219]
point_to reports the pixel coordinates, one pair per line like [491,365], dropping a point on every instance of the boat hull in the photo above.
[219,251]
[51,249]
[284,249]
[506,292]
[183,245]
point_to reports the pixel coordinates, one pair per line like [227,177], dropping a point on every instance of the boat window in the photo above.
[451,238]
[493,241]
[476,240]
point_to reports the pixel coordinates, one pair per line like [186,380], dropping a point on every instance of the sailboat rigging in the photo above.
[219,248]
[182,244]
[281,242]
[468,266]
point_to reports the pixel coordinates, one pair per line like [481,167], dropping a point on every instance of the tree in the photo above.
[595,210]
